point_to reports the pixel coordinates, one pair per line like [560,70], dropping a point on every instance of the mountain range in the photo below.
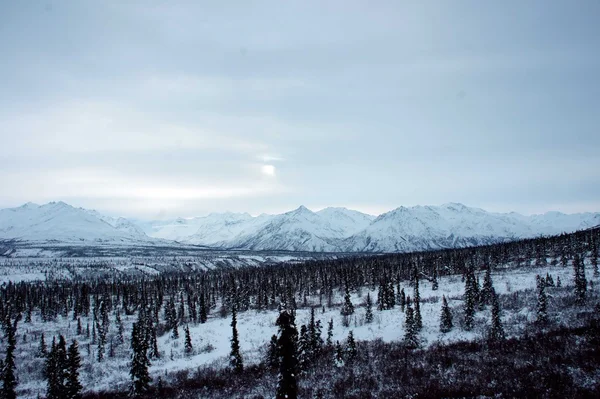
[328,230]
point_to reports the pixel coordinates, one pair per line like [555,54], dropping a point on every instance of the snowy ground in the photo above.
[211,340]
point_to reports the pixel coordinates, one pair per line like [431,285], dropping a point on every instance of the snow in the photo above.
[328,230]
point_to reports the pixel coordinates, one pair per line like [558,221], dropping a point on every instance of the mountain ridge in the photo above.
[332,229]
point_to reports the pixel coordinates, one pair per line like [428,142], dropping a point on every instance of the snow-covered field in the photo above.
[211,339]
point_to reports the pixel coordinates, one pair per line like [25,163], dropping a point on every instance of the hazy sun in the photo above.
[268,170]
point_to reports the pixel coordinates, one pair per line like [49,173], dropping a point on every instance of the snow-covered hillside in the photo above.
[328,230]
[60,222]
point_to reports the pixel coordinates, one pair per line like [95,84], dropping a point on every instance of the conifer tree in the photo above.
[470,300]
[446,316]
[139,364]
[347,307]
[73,386]
[287,387]
[594,259]
[496,331]
[580,280]
[42,348]
[434,280]
[120,329]
[9,379]
[79,328]
[369,312]
[338,355]
[329,341]
[235,357]
[402,299]
[418,321]
[272,355]
[188,341]
[485,297]
[51,373]
[351,347]
[542,313]
[410,333]
[203,309]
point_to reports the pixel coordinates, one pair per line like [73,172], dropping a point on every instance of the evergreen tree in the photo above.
[580,280]
[42,348]
[446,317]
[434,280]
[410,333]
[9,380]
[542,313]
[314,335]
[470,300]
[347,307]
[120,329]
[235,357]
[418,324]
[351,347]
[369,312]
[304,355]
[338,355]
[496,331]
[203,309]
[287,387]
[188,341]
[73,386]
[51,372]
[402,299]
[272,354]
[329,341]
[594,259]
[485,297]
[139,364]
[79,328]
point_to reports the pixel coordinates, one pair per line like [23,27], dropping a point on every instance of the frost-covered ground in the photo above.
[211,340]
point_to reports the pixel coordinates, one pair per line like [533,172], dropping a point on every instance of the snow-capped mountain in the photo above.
[60,222]
[328,230]
[456,225]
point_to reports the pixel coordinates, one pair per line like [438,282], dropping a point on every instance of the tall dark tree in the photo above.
[73,386]
[485,297]
[287,387]
[496,330]
[580,280]
[235,357]
[347,307]
[42,348]
[188,341]
[351,350]
[329,341]
[369,311]
[139,363]
[446,316]
[542,299]
[417,301]
[410,330]
[9,379]
[470,300]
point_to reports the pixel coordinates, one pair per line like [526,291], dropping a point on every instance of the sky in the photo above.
[163,109]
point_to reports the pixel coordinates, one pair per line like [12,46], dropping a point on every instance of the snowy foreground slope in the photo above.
[211,340]
[329,230]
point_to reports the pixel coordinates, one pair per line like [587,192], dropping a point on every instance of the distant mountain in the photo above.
[60,222]
[328,230]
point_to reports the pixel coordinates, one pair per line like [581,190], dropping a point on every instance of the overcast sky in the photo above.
[160,109]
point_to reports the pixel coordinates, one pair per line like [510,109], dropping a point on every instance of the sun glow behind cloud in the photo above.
[268,170]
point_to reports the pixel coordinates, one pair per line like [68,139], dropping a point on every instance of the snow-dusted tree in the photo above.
[287,387]
[410,330]
[73,386]
[470,300]
[304,352]
[338,355]
[329,341]
[139,363]
[542,299]
[57,369]
[314,335]
[351,350]
[79,327]
[188,341]
[203,309]
[402,299]
[496,330]
[446,316]
[594,259]
[9,379]
[580,280]
[42,348]
[272,359]
[485,297]
[434,279]
[235,357]
[558,282]
[347,307]
[369,312]
[417,301]
[120,329]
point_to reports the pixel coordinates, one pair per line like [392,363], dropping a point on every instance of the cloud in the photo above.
[268,170]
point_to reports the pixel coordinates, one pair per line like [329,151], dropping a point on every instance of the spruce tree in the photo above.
[42,348]
[347,307]
[485,297]
[496,331]
[580,280]
[272,354]
[410,333]
[287,387]
[329,341]
[203,311]
[470,300]
[351,350]
[51,373]
[235,357]
[446,317]
[542,313]
[417,301]
[188,341]
[369,312]
[9,380]
[140,362]
[73,386]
